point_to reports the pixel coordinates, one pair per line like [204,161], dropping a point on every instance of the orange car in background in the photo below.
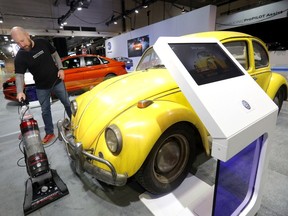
[82,72]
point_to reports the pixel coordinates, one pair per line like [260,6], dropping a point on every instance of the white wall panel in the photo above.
[202,19]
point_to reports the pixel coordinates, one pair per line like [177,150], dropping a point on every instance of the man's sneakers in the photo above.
[48,138]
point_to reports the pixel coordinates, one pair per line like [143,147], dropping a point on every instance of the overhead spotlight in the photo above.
[115,22]
[136,11]
[1,19]
[183,10]
[80,5]
[145,6]
[62,24]
[73,6]
[61,21]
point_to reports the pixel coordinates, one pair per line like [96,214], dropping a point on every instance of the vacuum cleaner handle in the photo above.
[23,102]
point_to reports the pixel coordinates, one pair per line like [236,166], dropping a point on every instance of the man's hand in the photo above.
[61,74]
[21,96]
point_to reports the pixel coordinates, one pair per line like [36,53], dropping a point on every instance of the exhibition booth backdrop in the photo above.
[180,25]
[202,19]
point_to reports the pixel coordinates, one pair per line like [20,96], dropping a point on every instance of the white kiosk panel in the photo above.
[229,102]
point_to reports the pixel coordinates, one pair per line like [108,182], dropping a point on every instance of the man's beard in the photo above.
[28,47]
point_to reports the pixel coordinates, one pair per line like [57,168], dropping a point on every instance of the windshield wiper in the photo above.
[158,66]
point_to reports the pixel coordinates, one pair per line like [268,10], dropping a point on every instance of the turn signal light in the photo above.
[144,103]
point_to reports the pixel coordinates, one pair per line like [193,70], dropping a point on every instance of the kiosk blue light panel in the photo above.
[30,91]
[235,180]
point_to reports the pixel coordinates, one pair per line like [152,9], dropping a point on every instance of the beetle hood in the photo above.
[98,107]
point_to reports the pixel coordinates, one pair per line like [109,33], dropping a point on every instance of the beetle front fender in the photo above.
[141,128]
[276,81]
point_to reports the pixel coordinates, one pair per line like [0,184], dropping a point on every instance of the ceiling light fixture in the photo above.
[80,6]
[73,6]
[136,9]
[183,10]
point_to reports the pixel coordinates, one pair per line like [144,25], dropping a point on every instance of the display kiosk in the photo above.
[237,113]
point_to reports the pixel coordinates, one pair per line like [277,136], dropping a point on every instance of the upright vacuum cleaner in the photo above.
[44,184]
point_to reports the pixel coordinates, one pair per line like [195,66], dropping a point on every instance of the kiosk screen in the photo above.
[206,62]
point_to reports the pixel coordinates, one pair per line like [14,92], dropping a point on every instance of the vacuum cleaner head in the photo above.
[42,190]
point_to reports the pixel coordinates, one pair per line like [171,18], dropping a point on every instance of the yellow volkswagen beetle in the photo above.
[141,125]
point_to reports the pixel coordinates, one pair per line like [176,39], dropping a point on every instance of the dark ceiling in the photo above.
[262,30]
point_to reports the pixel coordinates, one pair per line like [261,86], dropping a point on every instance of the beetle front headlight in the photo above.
[74,107]
[113,139]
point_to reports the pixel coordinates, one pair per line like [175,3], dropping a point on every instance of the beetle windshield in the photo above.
[150,60]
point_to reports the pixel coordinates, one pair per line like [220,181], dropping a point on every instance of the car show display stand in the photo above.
[240,118]
[192,195]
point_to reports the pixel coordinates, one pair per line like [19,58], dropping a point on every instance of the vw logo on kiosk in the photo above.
[246,104]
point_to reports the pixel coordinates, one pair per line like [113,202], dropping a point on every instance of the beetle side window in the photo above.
[260,55]
[239,50]
[89,61]
[71,63]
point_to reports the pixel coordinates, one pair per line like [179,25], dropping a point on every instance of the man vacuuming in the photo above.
[42,60]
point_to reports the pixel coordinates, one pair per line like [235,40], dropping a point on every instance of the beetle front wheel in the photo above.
[279,98]
[169,161]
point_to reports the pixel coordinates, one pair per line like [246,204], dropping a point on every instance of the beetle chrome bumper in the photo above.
[80,156]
